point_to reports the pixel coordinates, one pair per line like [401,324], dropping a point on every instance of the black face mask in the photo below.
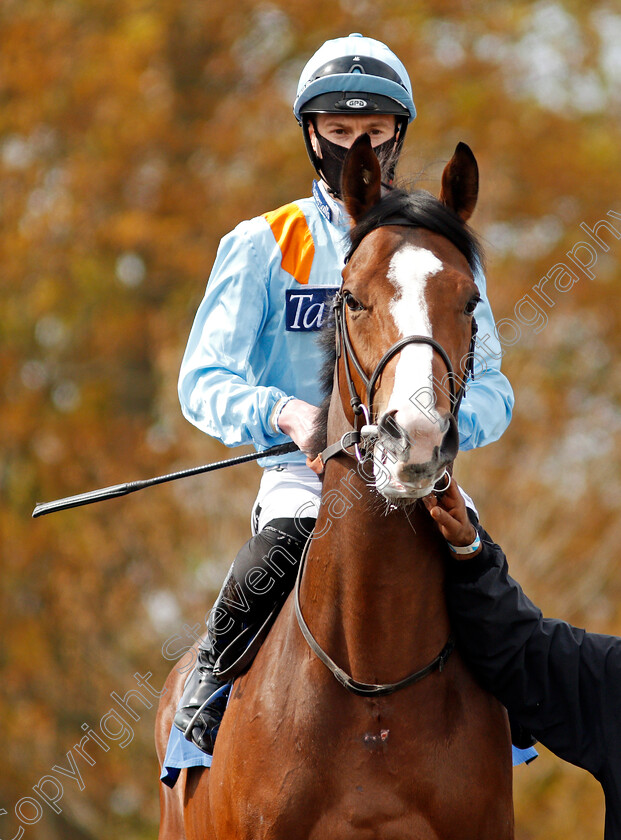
[330,165]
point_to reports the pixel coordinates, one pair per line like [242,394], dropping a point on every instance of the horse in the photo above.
[358,718]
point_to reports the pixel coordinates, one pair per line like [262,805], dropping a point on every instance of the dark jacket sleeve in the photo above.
[557,681]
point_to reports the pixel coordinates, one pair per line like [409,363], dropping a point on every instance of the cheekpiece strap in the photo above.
[349,440]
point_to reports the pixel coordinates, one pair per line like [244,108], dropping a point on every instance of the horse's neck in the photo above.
[373,585]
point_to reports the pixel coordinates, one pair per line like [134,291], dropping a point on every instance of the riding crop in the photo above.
[116,490]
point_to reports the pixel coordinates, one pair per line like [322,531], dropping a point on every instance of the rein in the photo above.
[362,689]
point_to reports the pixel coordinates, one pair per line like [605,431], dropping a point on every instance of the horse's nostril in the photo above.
[388,426]
[393,436]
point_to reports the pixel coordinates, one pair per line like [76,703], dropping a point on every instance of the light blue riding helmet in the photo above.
[353,75]
[354,65]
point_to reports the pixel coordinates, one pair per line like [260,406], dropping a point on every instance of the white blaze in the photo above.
[410,269]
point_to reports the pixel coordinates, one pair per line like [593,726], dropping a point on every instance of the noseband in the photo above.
[345,348]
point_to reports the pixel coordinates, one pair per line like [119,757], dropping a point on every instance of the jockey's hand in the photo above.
[297,419]
[450,515]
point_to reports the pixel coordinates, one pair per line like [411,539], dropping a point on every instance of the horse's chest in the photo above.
[352,774]
[301,758]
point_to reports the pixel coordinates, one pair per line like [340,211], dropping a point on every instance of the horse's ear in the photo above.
[361,184]
[460,182]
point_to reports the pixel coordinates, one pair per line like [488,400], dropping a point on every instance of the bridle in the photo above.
[345,349]
[354,439]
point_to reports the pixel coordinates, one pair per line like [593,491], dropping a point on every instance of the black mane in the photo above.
[327,342]
[422,210]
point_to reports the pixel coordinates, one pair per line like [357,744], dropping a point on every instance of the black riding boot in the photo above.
[202,684]
[276,551]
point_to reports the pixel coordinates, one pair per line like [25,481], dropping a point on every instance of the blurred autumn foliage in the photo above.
[133,135]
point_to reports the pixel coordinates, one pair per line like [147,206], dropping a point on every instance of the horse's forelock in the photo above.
[425,211]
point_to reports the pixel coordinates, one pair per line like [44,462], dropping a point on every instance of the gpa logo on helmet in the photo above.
[356,103]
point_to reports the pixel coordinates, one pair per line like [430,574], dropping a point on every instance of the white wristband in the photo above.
[466,549]
[277,411]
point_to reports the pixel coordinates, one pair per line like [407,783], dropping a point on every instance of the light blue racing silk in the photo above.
[254,338]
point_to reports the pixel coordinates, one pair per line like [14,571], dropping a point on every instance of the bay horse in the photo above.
[403,743]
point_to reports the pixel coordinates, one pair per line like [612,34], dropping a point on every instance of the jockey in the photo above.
[250,373]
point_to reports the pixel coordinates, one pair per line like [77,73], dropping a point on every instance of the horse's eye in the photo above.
[352,303]
[472,305]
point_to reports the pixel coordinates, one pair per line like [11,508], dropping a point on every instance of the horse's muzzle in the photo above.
[408,461]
